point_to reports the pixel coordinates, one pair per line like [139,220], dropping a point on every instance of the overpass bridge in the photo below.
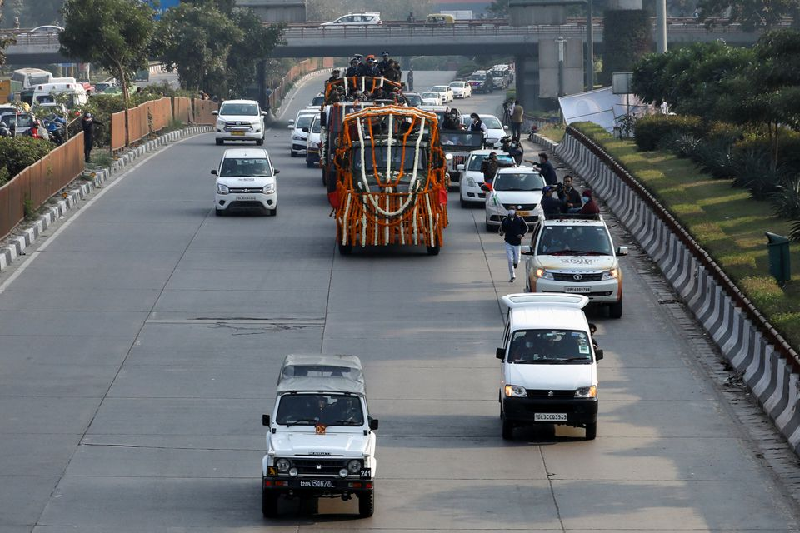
[304,40]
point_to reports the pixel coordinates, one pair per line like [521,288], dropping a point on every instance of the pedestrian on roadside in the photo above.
[516,120]
[513,230]
[87,126]
[546,169]
[410,17]
[506,114]
[410,79]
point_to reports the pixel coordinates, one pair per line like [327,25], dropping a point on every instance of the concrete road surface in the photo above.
[140,343]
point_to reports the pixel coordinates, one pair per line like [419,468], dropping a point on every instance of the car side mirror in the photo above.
[460,167]
[505,127]
[215,113]
[501,352]
[264,113]
[265,420]
[276,171]
[290,124]
[525,250]
[598,354]
[373,424]
[214,172]
[622,250]
[484,188]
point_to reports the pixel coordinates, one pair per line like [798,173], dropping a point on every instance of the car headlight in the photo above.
[544,274]
[471,182]
[586,392]
[610,274]
[222,188]
[220,124]
[269,188]
[515,391]
[297,138]
[354,466]
[283,465]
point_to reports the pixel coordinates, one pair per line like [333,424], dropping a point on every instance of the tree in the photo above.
[114,34]
[255,45]
[499,8]
[751,14]
[195,40]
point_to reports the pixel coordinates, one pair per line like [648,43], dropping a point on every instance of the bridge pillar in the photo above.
[527,81]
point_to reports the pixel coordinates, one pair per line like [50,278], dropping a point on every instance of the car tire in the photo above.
[269,505]
[219,142]
[489,229]
[345,249]
[309,164]
[591,431]
[219,212]
[293,154]
[324,178]
[464,203]
[433,250]
[273,212]
[366,503]
[615,310]
[507,430]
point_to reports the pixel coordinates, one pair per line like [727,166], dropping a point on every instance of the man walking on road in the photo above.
[513,229]
[516,120]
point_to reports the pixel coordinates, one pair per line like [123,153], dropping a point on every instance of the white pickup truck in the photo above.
[320,437]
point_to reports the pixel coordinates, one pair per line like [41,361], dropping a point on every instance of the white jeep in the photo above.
[321,439]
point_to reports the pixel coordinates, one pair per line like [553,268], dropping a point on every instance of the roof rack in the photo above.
[574,216]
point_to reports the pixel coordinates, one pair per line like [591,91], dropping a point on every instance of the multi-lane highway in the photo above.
[141,339]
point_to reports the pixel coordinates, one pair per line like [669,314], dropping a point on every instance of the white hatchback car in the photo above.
[518,188]
[430,98]
[469,186]
[300,126]
[461,89]
[445,91]
[246,181]
[240,120]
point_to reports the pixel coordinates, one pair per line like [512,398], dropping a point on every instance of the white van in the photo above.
[549,363]
[45,92]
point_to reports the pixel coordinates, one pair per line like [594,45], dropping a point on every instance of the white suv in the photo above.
[356,19]
[518,188]
[240,120]
[321,440]
[575,254]
[549,363]
[246,181]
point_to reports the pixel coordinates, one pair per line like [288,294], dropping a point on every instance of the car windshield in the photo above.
[245,166]
[478,77]
[457,84]
[244,110]
[471,140]
[476,160]
[440,88]
[317,101]
[549,346]
[304,121]
[574,240]
[430,95]
[413,99]
[319,409]
[492,122]
[518,181]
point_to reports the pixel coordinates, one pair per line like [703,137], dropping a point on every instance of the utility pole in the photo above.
[561,42]
[590,47]
[661,26]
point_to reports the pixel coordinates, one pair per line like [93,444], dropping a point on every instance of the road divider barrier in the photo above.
[765,360]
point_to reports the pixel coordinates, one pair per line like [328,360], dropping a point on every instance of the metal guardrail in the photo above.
[754,315]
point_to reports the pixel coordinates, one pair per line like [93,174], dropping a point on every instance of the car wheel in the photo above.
[464,203]
[508,430]
[219,142]
[309,164]
[345,249]
[219,212]
[527,283]
[366,503]
[273,212]
[615,310]
[293,154]
[433,250]
[324,179]
[489,228]
[591,431]
[260,142]
[269,505]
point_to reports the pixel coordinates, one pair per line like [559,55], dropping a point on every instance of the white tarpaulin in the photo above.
[600,106]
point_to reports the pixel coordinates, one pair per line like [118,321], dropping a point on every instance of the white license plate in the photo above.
[250,198]
[578,289]
[237,133]
[550,417]
[317,483]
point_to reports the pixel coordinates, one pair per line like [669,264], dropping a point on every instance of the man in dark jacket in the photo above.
[513,229]
[352,70]
[550,205]
[546,170]
[489,168]
[87,126]
[589,205]
[384,64]
[572,198]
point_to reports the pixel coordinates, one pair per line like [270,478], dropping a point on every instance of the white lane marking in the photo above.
[78,212]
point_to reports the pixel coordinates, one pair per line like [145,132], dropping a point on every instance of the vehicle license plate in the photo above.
[577,289]
[237,133]
[251,198]
[523,213]
[550,417]
[317,483]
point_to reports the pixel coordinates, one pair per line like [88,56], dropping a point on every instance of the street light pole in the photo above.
[589,47]
[561,40]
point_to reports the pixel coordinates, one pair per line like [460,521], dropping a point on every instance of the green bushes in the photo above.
[18,153]
[651,130]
